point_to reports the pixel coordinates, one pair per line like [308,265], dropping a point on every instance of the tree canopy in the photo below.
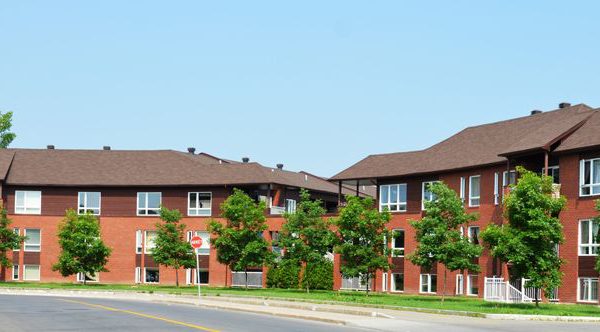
[6,136]
[8,239]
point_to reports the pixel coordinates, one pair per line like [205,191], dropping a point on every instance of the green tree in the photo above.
[171,248]
[8,239]
[239,242]
[597,219]
[528,242]
[82,249]
[6,136]
[306,235]
[362,238]
[438,235]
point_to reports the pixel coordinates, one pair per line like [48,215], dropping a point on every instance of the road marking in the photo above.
[197,327]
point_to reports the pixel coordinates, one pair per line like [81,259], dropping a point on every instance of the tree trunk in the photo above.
[84,280]
[444,288]
[535,292]
[177,278]
[246,274]
[367,284]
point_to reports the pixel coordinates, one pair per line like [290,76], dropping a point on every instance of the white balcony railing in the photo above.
[277,210]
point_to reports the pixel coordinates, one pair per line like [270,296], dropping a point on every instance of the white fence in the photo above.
[238,279]
[498,290]
[356,283]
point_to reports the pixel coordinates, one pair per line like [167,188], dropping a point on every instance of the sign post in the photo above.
[196,243]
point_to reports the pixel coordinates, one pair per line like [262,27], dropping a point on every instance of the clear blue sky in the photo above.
[314,85]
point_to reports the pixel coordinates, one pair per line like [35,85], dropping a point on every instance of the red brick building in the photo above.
[479,163]
[125,189]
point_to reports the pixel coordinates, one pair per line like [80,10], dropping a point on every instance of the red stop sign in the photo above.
[196,242]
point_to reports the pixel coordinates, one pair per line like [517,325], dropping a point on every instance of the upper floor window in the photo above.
[474,234]
[148,203]
[199,204]
[589,230]
[474,190]
[462,189]
[392,197]
[554,173]
[88,202]
[149,241]
[205,247]
[509,178]
[33,239]
[290,205]
[398,243]
[28,202]
[428,196]
[589,177]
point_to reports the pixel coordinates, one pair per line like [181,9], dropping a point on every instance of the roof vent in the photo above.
[305,177]
[245,159]
[50,147]
[106,148]
[564,105]
[534,112]
[279,166]
[191,150]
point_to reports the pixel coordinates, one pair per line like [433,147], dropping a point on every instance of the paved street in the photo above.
[46,313]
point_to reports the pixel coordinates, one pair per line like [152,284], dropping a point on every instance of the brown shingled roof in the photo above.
[587,136]
[474,146]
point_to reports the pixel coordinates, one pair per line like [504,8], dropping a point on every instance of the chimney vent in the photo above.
[534,112]
[106,148]
[50,147]
[191,150]
[245,159]
[564,105]
[279,166]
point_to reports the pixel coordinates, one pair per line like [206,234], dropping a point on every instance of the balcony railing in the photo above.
[277,210]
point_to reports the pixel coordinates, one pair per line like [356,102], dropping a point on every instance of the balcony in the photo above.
[277,210]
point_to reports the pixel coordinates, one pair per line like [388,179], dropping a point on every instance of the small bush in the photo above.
[318,275]
[284,275]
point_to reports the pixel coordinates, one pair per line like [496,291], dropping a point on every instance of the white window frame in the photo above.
[429,284]
[460,285]
[588,296]
[39,244]
[469,233]
[18,232]
[582,183]
[393,282]
[401,205]
[147,248]
[471,197]
[469,285]
[462,188]
[151,282]
[24,208]
[290,205]
[139,242]
[39,272]
[138,275]
[394,249]
[423,185]
[15,272]
[496,183]
[551,170]
[146,209]
[199,210]
[86,207]
[94,278]
[506,178]
[592,244]
[197,276]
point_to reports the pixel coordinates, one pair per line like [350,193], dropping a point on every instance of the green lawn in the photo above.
[352,298]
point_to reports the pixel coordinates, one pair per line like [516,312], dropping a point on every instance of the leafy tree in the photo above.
[6,137]
[170,246]
[8,239]
[320,276]
[528,242]
[362,233]
[597,219]
[82,250]
[306,235]
[439,237]
[239,243]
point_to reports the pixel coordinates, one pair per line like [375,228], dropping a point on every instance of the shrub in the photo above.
[284,274]
[318,275]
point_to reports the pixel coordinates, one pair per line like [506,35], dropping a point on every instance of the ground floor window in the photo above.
[81,277]
[151,275]
[203,275]
[31,272]
[428,283]
[460,284]
[138,275]
[397,282]
[472,284]
[15,272]
[588,289]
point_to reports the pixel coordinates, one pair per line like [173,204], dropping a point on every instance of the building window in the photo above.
[81,277]
[554,173]
[589,177]
[31,272]
[203,276]
[290,205]
[397,282]
[15,272]
[89,202]
[460,284]
[199,204]
[149,238]
[474,234]
[496,190]
[508,180]
[589,230]
[462,188]
[392,197]
[428,283]
[148,203]
[398,243]
[33,240]
[138,242]
[18,246]
[151,275]
[138,272]
[474,190]
[28,202]
[205,248]
[588,289]
[472,284]
[427,196]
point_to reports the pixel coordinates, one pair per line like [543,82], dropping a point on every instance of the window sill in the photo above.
[25,250]
[588,255]
[585,301]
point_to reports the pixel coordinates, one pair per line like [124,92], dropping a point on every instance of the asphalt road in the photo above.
[45,313]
